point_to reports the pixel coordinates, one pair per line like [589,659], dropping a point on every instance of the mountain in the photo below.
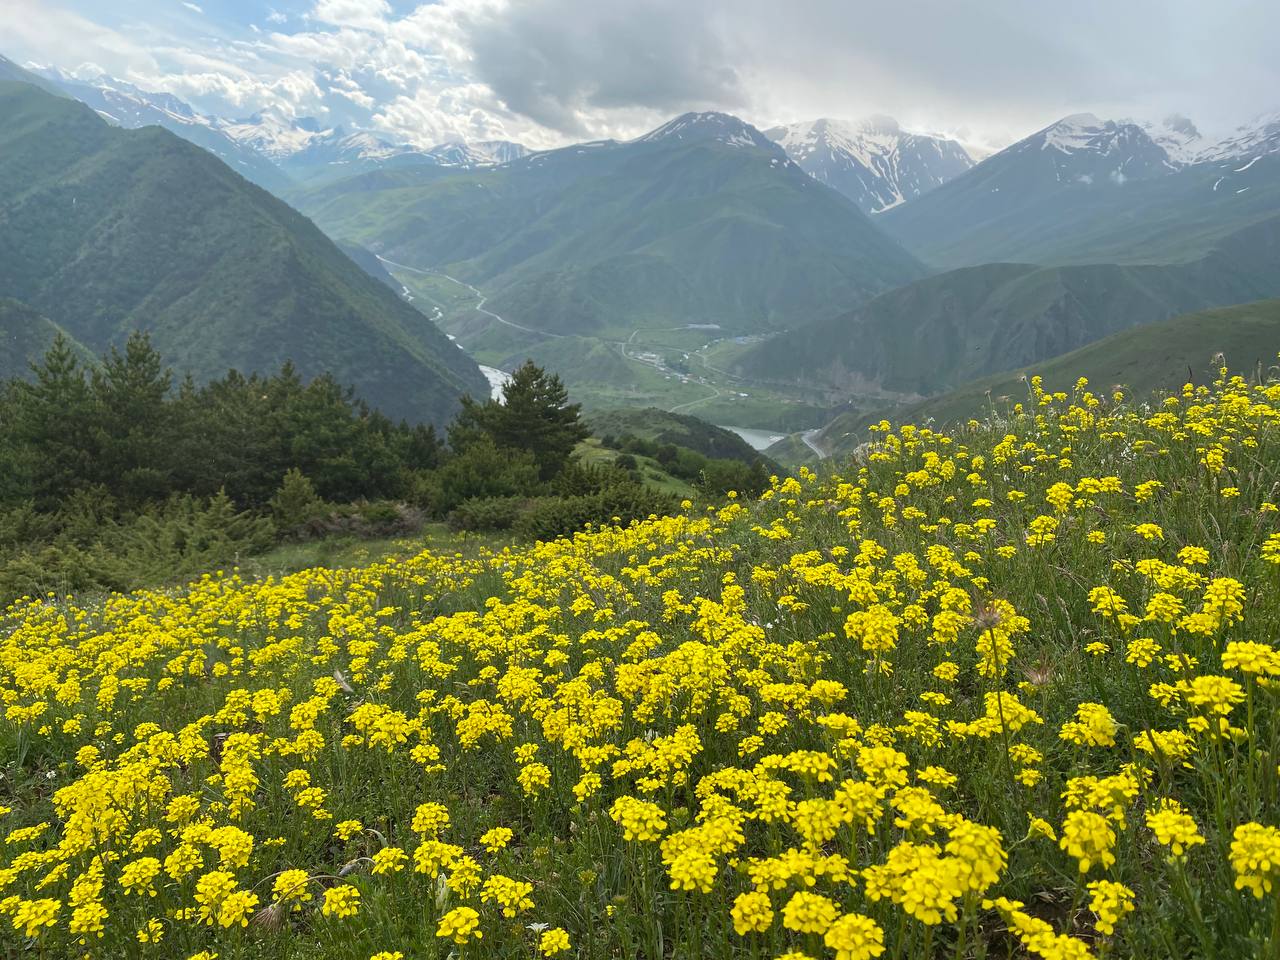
[11,71]
[1146,359]
[701,221]
[1179,137]
[875,163]
[126,105]
[105,230]
[479,153]
[1259,138]
[939,332]
[334,154]
[268,148]
[1086,191]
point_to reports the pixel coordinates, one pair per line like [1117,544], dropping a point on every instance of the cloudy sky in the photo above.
[550,71]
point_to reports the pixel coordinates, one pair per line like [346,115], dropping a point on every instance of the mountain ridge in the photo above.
[1085,190]
[690,223]
[154,233]
[943,330]
[874,162]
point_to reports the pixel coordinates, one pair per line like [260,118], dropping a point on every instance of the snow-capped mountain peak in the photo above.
[708,125]
[480,153]
[272,134]
[1080,131]
[873,161]
[1180,138]
[1258,137]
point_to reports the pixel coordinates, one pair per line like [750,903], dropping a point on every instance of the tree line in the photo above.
[116,473]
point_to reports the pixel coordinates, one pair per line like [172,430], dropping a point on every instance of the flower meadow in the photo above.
[1004,691]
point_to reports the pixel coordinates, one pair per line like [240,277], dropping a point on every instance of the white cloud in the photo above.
[192,6]
[546,71]
[353,14]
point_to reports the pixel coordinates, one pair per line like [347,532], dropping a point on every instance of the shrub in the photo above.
[296,503]
[488,513]
[558,517]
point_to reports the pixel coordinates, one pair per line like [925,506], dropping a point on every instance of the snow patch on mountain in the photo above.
[874,161]
[708,125]
[1257,138]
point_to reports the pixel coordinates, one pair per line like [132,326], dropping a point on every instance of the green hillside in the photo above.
[1157,357]
[975,218]
[704,221]
[24,337]
[948,329]
[681,429]
[105,231]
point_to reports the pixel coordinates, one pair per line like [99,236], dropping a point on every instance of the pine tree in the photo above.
[135,429]
[296,502]
[53,419]
[535,415]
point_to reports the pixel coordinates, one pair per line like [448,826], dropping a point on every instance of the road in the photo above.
[807,436]
[693,403]
[480,301]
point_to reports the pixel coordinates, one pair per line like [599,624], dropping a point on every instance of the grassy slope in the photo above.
[592,452]
[948,329]
[1144,360]
[106,230]
[645,234]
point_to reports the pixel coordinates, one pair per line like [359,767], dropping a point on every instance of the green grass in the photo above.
[346,551]
[592,452]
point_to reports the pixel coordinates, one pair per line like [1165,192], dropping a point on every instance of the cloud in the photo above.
[353,14]
[546,71]
[1002,66]
[192,6]
[566,64]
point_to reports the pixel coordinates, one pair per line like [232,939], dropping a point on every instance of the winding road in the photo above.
[479,306]
[807,436]
[480,301]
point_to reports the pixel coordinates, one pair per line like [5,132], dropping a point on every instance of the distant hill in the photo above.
[1087,191]
[104,231]
[704,220]
[937,333]
[1146,359]
[681,429]
[24,337]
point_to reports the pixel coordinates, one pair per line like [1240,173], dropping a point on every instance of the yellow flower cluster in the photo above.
[875,712]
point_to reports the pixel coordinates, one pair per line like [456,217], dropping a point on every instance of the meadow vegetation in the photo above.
[113,476]
[1006,691]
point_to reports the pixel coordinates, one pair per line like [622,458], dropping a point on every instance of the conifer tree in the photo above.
[53,417]
[535,415]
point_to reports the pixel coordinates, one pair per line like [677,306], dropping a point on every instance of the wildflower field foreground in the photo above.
[1004,692]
